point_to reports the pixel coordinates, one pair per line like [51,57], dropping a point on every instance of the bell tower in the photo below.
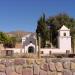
[64,38]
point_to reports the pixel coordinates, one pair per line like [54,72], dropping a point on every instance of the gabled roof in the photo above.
[64,28]
[29,39]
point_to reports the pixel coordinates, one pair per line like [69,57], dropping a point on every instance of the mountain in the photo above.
[18,34]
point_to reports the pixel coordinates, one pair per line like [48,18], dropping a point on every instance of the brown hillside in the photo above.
[18,33]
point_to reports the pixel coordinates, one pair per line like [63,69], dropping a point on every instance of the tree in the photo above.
[3,37]
[7,41]
[62,19]
[48,28]
[10,42]
[42,29]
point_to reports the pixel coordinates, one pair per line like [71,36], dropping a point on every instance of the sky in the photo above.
[23,14]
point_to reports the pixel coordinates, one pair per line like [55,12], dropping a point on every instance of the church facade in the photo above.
[29,43]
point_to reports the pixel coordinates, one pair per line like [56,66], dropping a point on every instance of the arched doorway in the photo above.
[31,49]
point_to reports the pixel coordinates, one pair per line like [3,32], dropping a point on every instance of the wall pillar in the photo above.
[36,46]
[39,45]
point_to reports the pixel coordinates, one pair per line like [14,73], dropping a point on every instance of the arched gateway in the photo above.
[31,49]
[29,43]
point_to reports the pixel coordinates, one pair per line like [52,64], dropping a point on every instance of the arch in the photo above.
[31,49]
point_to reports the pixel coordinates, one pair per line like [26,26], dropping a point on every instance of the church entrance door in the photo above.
[31,49]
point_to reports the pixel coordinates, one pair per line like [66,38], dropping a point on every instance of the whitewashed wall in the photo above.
[46,51]
[16,50]
[65,43]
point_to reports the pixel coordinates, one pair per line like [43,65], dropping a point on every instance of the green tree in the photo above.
[62,19]
[10,42]
[54,23]
[42,29]
[3,37]
[7,41]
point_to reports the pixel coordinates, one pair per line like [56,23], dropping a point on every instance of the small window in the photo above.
[64,34]
[9,52]
[30,41]
[41,52]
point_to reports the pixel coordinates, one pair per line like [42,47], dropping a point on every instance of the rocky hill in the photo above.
[18,34]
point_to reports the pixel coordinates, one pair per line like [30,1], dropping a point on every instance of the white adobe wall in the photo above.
[65,43]
[16,50]
[46,51]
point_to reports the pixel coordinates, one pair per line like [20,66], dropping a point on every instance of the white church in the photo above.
[29,43]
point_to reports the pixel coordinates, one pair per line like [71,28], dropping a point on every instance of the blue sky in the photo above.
[23,14]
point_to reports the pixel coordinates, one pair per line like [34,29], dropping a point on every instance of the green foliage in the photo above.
[10,42]
[62,19]
[7,41]
[55,23]
[42,29]
[3,37]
